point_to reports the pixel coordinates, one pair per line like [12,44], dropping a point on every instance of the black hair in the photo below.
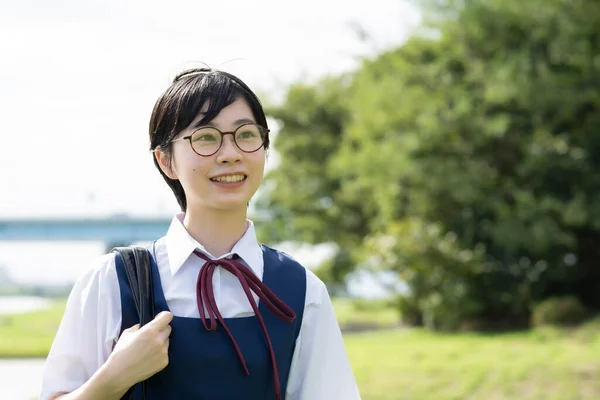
[181,103]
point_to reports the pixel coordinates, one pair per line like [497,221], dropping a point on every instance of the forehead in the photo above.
[228,117]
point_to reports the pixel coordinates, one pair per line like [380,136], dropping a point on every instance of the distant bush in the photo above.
[559,311]
[371,305]
[410,312]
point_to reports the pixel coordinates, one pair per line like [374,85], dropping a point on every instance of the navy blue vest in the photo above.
[203,365]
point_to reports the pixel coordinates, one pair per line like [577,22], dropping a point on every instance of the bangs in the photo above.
[184,100]
[213,90]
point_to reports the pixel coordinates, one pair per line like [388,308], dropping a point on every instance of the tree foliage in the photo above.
[468,161]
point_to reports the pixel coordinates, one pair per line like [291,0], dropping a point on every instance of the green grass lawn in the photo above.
[418,365]
[399,364]
[30,334]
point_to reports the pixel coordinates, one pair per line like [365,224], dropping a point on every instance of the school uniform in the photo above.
[309,354]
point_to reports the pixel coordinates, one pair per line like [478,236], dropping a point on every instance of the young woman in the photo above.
[234,319]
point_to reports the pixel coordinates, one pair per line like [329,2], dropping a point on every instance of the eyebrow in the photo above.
[238,122]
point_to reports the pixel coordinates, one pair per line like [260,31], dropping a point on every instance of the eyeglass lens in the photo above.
[207,141]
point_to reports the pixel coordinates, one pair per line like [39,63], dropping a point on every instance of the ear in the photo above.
[164,161]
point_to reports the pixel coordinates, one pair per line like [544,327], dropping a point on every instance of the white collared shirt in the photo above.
[92,321]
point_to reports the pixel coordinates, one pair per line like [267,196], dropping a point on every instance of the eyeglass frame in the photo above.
[232,133]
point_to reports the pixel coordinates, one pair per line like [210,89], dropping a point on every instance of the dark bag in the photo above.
[136,260]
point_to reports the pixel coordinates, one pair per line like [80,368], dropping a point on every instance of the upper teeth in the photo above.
[229,178]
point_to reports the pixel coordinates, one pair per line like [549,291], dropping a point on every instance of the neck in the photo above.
[218,231]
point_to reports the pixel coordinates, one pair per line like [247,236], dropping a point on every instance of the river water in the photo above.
[21,304]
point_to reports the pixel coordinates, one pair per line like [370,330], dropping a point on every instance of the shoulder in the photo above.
[99,273]
[316,291]
[99,266]
[97,295]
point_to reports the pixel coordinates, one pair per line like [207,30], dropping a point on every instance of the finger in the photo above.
[167,329]
[161,320]
[166,332]
[132,328]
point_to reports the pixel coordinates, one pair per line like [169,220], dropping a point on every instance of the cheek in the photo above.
[259,159]
[195,168]
[189,165]
[259,170]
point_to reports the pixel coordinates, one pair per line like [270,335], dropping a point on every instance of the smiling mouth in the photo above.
[229,178]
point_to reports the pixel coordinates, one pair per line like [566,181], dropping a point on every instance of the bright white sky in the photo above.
[78,80]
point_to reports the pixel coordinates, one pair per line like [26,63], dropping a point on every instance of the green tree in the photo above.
[485,127]
[301,200]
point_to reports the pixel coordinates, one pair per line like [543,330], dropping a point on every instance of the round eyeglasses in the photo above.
[207,140]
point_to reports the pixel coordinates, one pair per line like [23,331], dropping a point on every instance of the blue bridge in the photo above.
[118,230]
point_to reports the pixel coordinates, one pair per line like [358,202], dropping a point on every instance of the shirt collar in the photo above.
[180,245]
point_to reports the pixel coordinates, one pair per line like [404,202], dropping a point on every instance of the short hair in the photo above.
[181,103]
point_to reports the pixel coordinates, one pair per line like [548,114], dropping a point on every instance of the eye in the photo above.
[248,132]
[205,135]
[205,138]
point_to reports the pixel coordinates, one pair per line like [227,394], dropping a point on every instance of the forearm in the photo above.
[105,384]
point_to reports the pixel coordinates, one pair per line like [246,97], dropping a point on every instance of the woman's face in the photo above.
[210,182]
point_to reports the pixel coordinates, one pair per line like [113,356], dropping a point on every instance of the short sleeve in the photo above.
[320,366]
[87,332]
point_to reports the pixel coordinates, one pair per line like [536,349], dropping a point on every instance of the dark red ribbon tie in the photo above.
[205,297]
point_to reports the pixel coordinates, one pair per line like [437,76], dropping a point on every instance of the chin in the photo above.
[229,204]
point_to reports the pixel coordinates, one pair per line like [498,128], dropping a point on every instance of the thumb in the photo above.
[132,328]
[161,320]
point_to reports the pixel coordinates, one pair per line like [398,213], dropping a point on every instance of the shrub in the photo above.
[559,311]
[410,311]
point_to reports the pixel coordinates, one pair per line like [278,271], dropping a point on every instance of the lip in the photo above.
[229,174]
[230,185]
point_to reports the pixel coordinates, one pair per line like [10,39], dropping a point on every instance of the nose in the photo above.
[229,152]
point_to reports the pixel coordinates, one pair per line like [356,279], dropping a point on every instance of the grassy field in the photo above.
[30,334]
[399,364]
[413,364]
